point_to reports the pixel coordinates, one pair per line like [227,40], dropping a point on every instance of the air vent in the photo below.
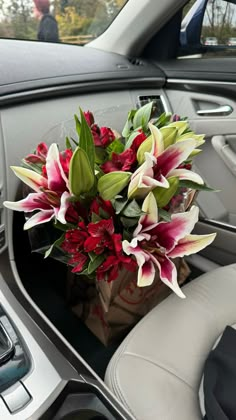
[136,61]
[158,104]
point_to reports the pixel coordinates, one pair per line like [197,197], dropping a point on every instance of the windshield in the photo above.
[67,21]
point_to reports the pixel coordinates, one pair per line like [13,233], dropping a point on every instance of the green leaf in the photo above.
[132,210]
[194,186]
[81,176]
[130,139]
[116,146]
[95,218]
[111,184]
[93,265]
[100,155]
[63,227]
[142,116]
[126,129]
[129,222]
[163,120]
[68,143]
[74,141]
[86,140]
[164,215]
[77,125]
[164,195]
[119,204]
[56,244]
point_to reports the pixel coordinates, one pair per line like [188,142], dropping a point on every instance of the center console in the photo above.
[37,381]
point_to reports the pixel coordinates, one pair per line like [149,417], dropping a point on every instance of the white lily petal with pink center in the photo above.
[146,274]
[181,224]
[168,273]
[149,219]
[158,143]
[188,175]
[42,216]
[30,178]
[34,201]
[144,169]
[63,207]
[174,155]
[191,244]
[146,271]
[57,180]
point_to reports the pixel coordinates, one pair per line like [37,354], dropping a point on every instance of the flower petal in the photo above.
[34,201]
[146,274]
[158,144]
[42,216]
[191,244]
[174,155]
[144,170]
[63,207]
[57,180]
[168,273]
[169,233]
[30,178]
[149,219]
[186,174]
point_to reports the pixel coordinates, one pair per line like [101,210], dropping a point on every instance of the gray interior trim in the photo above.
[198,82]
[86,87]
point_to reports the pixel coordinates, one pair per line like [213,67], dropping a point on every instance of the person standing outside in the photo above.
[48,29]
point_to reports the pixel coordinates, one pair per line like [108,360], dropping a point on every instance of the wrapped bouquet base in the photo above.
[110,310]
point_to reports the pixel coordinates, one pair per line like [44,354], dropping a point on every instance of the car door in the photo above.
[202,87]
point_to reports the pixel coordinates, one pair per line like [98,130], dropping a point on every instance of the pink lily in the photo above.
[155,243]
[160,164]
[51,196]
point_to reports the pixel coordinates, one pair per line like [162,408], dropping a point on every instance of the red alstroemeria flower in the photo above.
[39,156]
[73,245]
[109,269]
[107,136]
[105,205]
[89,118]
[74,239]
[138,140]
[120,162]
[101,236]
[65,158]
[79,260]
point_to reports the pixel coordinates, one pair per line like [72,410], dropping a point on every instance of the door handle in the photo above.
[225,152]
[220,111]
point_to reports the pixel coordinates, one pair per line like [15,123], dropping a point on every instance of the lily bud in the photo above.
[181,126]
[111,184]
[81,176]
[169,135]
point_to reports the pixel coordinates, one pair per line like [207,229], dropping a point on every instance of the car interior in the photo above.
[59,369]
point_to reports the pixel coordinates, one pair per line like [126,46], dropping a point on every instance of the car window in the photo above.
[209,26]
[67,21]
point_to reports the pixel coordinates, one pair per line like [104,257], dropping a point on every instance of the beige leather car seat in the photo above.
[157,370]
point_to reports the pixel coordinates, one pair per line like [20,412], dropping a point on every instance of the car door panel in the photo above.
[213,87]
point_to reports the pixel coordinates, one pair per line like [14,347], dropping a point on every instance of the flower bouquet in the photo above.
[119,205]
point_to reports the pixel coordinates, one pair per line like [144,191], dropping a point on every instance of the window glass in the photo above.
[219,23]
[68,21]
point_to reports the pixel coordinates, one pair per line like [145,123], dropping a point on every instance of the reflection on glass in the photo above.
[219,23]
[77,21]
